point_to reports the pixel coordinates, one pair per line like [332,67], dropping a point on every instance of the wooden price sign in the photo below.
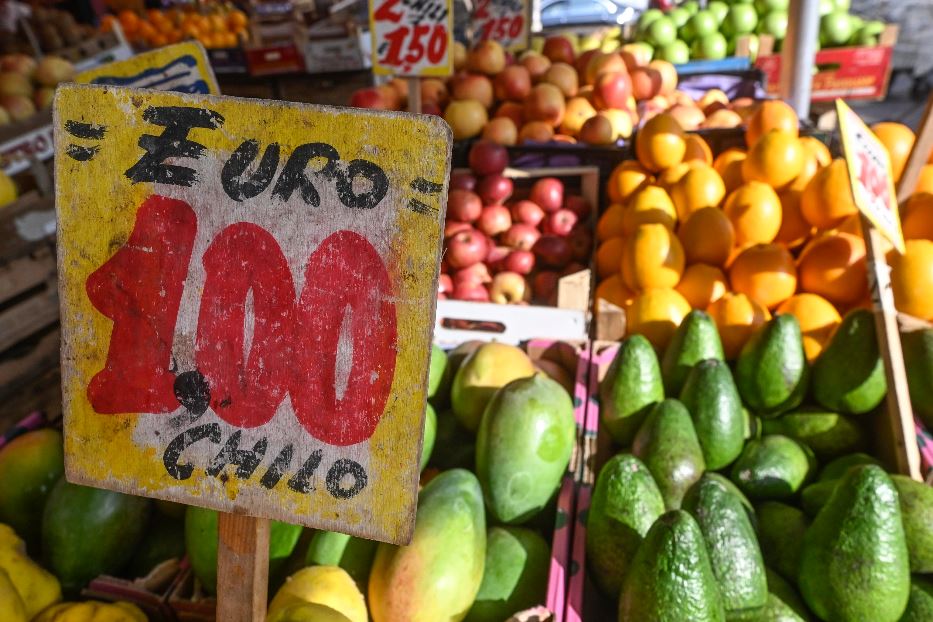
[872,184]
[505,21]
[412,39]
[248,292]
[182,67]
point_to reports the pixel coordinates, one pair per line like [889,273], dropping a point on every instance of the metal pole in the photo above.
[798,54]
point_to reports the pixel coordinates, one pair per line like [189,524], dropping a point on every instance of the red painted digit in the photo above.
[396,40]
[140,289]
[437,45]
[416,48]
[515,30]
[346,341]
[385,13]
[481,11]
[247,383]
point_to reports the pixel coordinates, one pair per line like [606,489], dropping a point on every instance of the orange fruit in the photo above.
[765,273]
[625,180]
[670,176]
[237,20]
[827,199]
[107,22]
[217,22]
[614,290]
[729,166]
[776,159]
[609,257]
[653,258]
[697,149]
[609,224]
[190,31]
[925,180]
[794,229]
[660,143]
[833,266]
[771,115]
[898,139]
[818,149]
[649,205]
[146,30]
[737,316]
[707,237]
[818,318]
[912,279]
[811,166]
[851,225]
[129,21]
[656,314]
[158,40]
[702,285]
[917,222]
[754,210]
[700,187]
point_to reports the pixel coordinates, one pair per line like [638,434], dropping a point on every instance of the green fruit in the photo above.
[828,434]
[626,502]
[679,16]
[854,563]
[676,53]
[459,444]
[740,20]
[775,467]
[920,604]
[29,467]
[774,24]
[703,24]
[523,447]
[916,501]
[515,574]
[848,375]
[438,371]
[671,577]
[437,576]
[780,534]
[838,467]
[815,496]
[918,359]
[719,10]
[710,47]
[695,340]
[784,603]
[355,555]
[88,531]
[731,542]
[714,404]
[430,433]
[668,445]
[647,18]
[483,371]
[772,372]
[836,28]
[767,6]
[632,386]
[661,31]
[164,540]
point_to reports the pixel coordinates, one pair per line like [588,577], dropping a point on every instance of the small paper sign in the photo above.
[870,175]
[182,67]
[248,291]
[413,39]
[504,21]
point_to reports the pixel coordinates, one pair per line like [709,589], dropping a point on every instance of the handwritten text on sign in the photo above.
[248,292]
[412,37]
[181,67]
[504,21]
[870,175]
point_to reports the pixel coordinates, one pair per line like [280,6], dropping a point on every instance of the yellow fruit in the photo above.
[610,222]
[765,273]
[653,258]
[729,166]
[7,189]
[649,205]
[770,115]
[817,148]
[698,149]
[827,199]
[912,279]
[707,237]
[37,587]
[330,586]
[308,612]
[12,608]
[925,180]
[899,140]
[700,187]
[614,290]
[754,210]
[917,222]
[660,143]
[818,318]
[670,176]
[794,229]
[702,285]
[736,316]
[811,166]
[656,314]
[625,180]
[92,611]
[609,257]
[776,159]
[833,266]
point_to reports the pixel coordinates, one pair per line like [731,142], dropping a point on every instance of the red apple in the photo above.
[368,98]
[581,242]
[509,288]
[545,286]
[572,268]
[560,222]
[488,158]
[466,248]
[494,189]
[496,258]
[578,205]
[477,273]
[612,90]
[522,262]
[558,49]
[464,206]
[548,192]
[453,227]
[521,236]
[463,181]
[445,284]
[431,108]
[527,212]
[494,220]
[553,251]
[474,292]
[514,83]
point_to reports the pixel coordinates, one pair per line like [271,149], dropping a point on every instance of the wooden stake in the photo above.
[918,155]
[414,95]
[242,568]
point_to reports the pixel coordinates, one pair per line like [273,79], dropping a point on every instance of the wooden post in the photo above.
[242,568]
[414,95]
[918,155]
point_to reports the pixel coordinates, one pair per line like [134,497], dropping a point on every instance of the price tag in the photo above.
[248,292]
[504,21]
[182,67]
[870,175]
[412,38]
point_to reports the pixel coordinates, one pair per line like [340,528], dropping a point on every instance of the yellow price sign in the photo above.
[413,39]
[182,67]
[248,291]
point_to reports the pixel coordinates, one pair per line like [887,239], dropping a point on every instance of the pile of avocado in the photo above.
[741,490]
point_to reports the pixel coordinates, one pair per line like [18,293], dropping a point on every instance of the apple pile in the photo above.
[27,85]
[505,245]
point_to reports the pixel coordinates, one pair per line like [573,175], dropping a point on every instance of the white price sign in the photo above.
[504,21]
[412,37]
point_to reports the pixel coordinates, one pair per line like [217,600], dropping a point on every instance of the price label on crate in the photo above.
[412,37]
[182,67]
[248,290]
[870,175]
[504,21]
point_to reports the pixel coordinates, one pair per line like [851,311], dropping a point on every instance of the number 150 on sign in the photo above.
[411,37]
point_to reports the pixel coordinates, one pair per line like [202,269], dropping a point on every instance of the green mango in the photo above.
[772,372]
[430,434]
[484,370]
[671,577]
[515,575]
[838,467]
[854,564]
[780,534]
[916,501]
[734,553]
[828,434]
[716,408]
[695,340]
[30,466]
[667,443]
[438,371]
[918,360]
[459,444]
[920,604]
[438,575]
[626,502]
[523,447]
[355,555]
[631,387]
[164,540]
[773,468]
[848,375]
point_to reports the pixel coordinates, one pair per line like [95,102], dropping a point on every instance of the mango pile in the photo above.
[742,490]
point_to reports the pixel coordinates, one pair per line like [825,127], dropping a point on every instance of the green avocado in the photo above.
[918,359]
[716,409]
[772,372]
[848,375]
[355,555]
[815,496]
[632,386]
[827,433]
[780,534]
[772,468]
[838,467]
[695,340]
[920,604]
[916,501]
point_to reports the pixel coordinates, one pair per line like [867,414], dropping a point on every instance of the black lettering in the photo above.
[378,181]
[239,189]
[81,154]
[181,442]
[294,176]
[79,129]
[193,392]
[173,142]
[277,468]
[246,461]
[301,481]
[336,473]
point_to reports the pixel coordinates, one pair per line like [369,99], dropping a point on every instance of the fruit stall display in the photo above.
[755,478]
[214,25]
[27,85]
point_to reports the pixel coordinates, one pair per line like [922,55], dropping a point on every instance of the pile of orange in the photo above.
[219,28]
[767,229]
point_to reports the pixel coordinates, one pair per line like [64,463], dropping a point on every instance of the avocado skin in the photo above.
[632,386]
[916,501]
[827,433]
[710,395]
[918,359]
[848,375]
[815,496]
[772,468]
[920,604]
[838,467]
[695,340]
[771,372]
[780,533]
